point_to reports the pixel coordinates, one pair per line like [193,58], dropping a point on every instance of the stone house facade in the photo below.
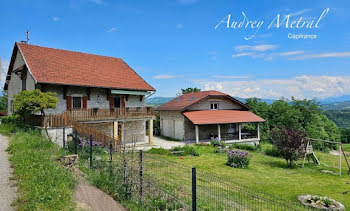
[84,83]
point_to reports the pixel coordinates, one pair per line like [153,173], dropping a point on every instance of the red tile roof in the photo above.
[221,117]
[55,66]
[184,101]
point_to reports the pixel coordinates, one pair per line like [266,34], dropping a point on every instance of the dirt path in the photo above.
[90,198]
[7,191]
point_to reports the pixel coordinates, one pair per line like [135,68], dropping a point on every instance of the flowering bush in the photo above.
[238,159]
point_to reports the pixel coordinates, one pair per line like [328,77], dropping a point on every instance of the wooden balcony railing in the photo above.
[101,114]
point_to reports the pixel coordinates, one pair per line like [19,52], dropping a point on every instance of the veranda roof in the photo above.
[221,117]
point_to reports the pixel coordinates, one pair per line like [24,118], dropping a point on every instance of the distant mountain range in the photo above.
[332,103]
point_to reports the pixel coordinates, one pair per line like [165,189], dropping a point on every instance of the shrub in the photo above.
[12,119]
[290,143]
[238,159]
[244,146]
[158,151]
[272,151]
[188,150]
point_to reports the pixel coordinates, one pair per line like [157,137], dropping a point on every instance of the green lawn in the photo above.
[43,184]
[270,175]
[346,147]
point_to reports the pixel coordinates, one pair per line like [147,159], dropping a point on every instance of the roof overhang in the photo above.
[129,92]
[207,117]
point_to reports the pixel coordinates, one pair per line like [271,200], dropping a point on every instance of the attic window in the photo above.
[214,106]
[192,98]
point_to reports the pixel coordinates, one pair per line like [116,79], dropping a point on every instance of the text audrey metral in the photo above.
[297,23]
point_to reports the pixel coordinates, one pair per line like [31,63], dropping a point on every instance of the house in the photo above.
[101,92]
[203,115]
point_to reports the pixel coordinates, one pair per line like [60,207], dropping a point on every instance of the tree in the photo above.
[190,90]
[28,102]
[3,101]
[261,109]
[290,143]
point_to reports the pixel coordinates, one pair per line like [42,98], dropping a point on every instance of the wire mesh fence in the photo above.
[156,183]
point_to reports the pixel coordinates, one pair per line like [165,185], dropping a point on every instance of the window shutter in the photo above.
[111,102]
[85,102]
[123,102]
[69,103]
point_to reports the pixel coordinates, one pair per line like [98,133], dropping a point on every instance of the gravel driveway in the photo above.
[7,193]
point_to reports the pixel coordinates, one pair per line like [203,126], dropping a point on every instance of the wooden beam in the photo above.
[150,131]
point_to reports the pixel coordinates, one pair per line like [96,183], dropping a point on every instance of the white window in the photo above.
[214,106]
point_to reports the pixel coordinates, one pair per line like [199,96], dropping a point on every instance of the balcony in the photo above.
[106,114]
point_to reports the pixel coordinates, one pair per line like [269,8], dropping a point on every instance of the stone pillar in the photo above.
[197,134]
[115,134]
[219,132]
[150,131]
[258,131]
[239,131]
[115,130]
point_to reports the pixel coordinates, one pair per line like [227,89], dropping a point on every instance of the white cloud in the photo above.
[291,53]
[112,29]
[300,87]
[255,47]
[187,2]
[243,54]
[179,26]
[231,76]
[300,12]
[4,67]
[163,76]
[322,55]
[55,19]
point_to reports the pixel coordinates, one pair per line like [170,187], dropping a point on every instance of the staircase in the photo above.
[65,120]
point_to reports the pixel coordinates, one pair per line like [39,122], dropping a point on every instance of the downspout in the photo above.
[150,95]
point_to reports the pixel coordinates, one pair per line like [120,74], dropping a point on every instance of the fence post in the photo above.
[140,173]
[110,157]
[64,137]
[194,189]
[90,151]
[75,137]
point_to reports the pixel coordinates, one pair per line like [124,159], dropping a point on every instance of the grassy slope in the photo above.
[43,183]
[346,147]
[269,174]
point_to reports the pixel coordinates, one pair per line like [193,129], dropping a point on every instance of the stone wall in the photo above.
[98,98]
[134,131]
[104,127]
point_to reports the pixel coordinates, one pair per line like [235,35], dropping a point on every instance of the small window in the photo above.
[191,98]
[117,102]
[214,106]
[24,82]
[76,102]
[178,99]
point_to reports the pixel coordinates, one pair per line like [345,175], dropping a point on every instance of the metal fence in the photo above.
[154,182]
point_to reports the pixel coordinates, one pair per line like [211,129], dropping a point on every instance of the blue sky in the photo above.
[174,44]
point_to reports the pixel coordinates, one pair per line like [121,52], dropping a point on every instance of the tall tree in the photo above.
[190,90]
[3,101]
